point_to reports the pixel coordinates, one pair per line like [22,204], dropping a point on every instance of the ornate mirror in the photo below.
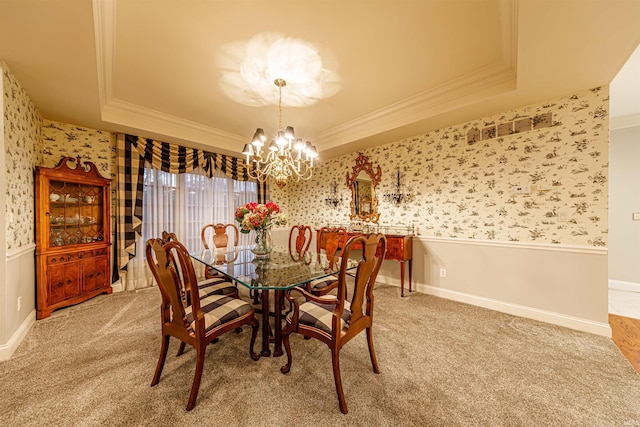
[362,182]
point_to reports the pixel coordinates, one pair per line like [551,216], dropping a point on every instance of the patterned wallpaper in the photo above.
[61,139]
[22,138]
[96,146]
[463,189]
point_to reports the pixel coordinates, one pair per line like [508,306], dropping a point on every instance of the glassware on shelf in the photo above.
[56,238]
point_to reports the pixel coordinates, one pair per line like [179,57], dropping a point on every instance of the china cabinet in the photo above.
[73,235]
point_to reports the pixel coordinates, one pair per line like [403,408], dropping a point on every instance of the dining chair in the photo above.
[199,321]
[332,240]
[299,241]
[335,320]
[220,241]
[209,285]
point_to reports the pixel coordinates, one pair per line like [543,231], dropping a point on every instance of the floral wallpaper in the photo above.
[22,138]
[463,186]
[96,146]
[61,139]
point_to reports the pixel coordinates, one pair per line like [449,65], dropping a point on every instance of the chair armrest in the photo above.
[326,299]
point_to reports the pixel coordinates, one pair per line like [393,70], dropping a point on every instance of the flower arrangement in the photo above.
[255,216]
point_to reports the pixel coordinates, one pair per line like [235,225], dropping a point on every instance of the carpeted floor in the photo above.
[442,364]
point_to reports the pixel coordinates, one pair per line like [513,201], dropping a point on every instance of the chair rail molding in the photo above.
[18,252]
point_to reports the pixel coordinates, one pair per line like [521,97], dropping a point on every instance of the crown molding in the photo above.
[624,122]
[492,79]
[135,116]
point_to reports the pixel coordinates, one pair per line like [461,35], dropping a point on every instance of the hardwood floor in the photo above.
[626,335]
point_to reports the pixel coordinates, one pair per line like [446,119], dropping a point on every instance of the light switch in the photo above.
[635,216]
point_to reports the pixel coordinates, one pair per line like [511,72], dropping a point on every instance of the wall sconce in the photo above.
[333,199]
[396,197]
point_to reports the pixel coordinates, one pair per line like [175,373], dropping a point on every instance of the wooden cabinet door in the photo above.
[95,273]
[63,282]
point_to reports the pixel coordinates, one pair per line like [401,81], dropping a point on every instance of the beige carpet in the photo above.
[442,363]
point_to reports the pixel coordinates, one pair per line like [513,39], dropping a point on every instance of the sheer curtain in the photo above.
[183,204]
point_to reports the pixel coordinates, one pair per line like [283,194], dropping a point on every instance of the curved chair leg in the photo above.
[181,348]
[254,334]
[163,356]
[372,353]
[196,378]
[287,346]
[335,360]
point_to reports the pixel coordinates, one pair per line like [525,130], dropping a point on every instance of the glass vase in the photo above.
[263,243]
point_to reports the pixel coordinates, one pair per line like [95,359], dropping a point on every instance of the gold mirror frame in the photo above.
[364,165]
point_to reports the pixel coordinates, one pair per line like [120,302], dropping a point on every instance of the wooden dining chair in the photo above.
[217,285]
[299,241]
[332,240]
[220,240]
[193,321]
[335,320]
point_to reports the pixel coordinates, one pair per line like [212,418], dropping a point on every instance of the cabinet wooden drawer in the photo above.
[96,274]
[399,248]
[59,259]
[63,282]
[395,248]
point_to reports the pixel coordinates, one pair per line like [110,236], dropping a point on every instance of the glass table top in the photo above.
[279,271]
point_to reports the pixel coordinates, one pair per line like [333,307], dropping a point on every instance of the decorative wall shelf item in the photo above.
[519,125]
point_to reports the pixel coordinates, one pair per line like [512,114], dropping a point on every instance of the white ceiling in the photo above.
[398,68]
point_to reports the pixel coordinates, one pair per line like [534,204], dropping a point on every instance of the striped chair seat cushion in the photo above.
[218,309]
[319,315]
[212,272]
[323,282]
[215,287]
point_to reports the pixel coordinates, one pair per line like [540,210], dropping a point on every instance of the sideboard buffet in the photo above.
[399,247]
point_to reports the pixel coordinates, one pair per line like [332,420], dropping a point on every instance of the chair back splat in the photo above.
[299,241]
[335,320]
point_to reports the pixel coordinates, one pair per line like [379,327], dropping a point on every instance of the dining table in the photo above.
[276,273]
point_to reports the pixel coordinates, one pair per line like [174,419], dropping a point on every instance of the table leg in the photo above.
[410,271]
[402,279]
[266,352]
[277,323]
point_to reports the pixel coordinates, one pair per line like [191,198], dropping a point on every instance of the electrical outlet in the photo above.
[443,272]
[635,216]
[19,303]
[521,189]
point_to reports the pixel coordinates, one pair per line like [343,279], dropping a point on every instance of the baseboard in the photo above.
[117,286]
[7,350]
[558,319]
[624,286]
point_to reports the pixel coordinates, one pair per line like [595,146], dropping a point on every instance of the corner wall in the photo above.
[21,144]
[624,187]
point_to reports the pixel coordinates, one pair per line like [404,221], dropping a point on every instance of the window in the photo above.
[184,203]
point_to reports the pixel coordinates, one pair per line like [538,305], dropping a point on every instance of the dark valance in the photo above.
[133,153]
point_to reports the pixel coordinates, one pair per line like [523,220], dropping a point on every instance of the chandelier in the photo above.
[396,197]
[285,157]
